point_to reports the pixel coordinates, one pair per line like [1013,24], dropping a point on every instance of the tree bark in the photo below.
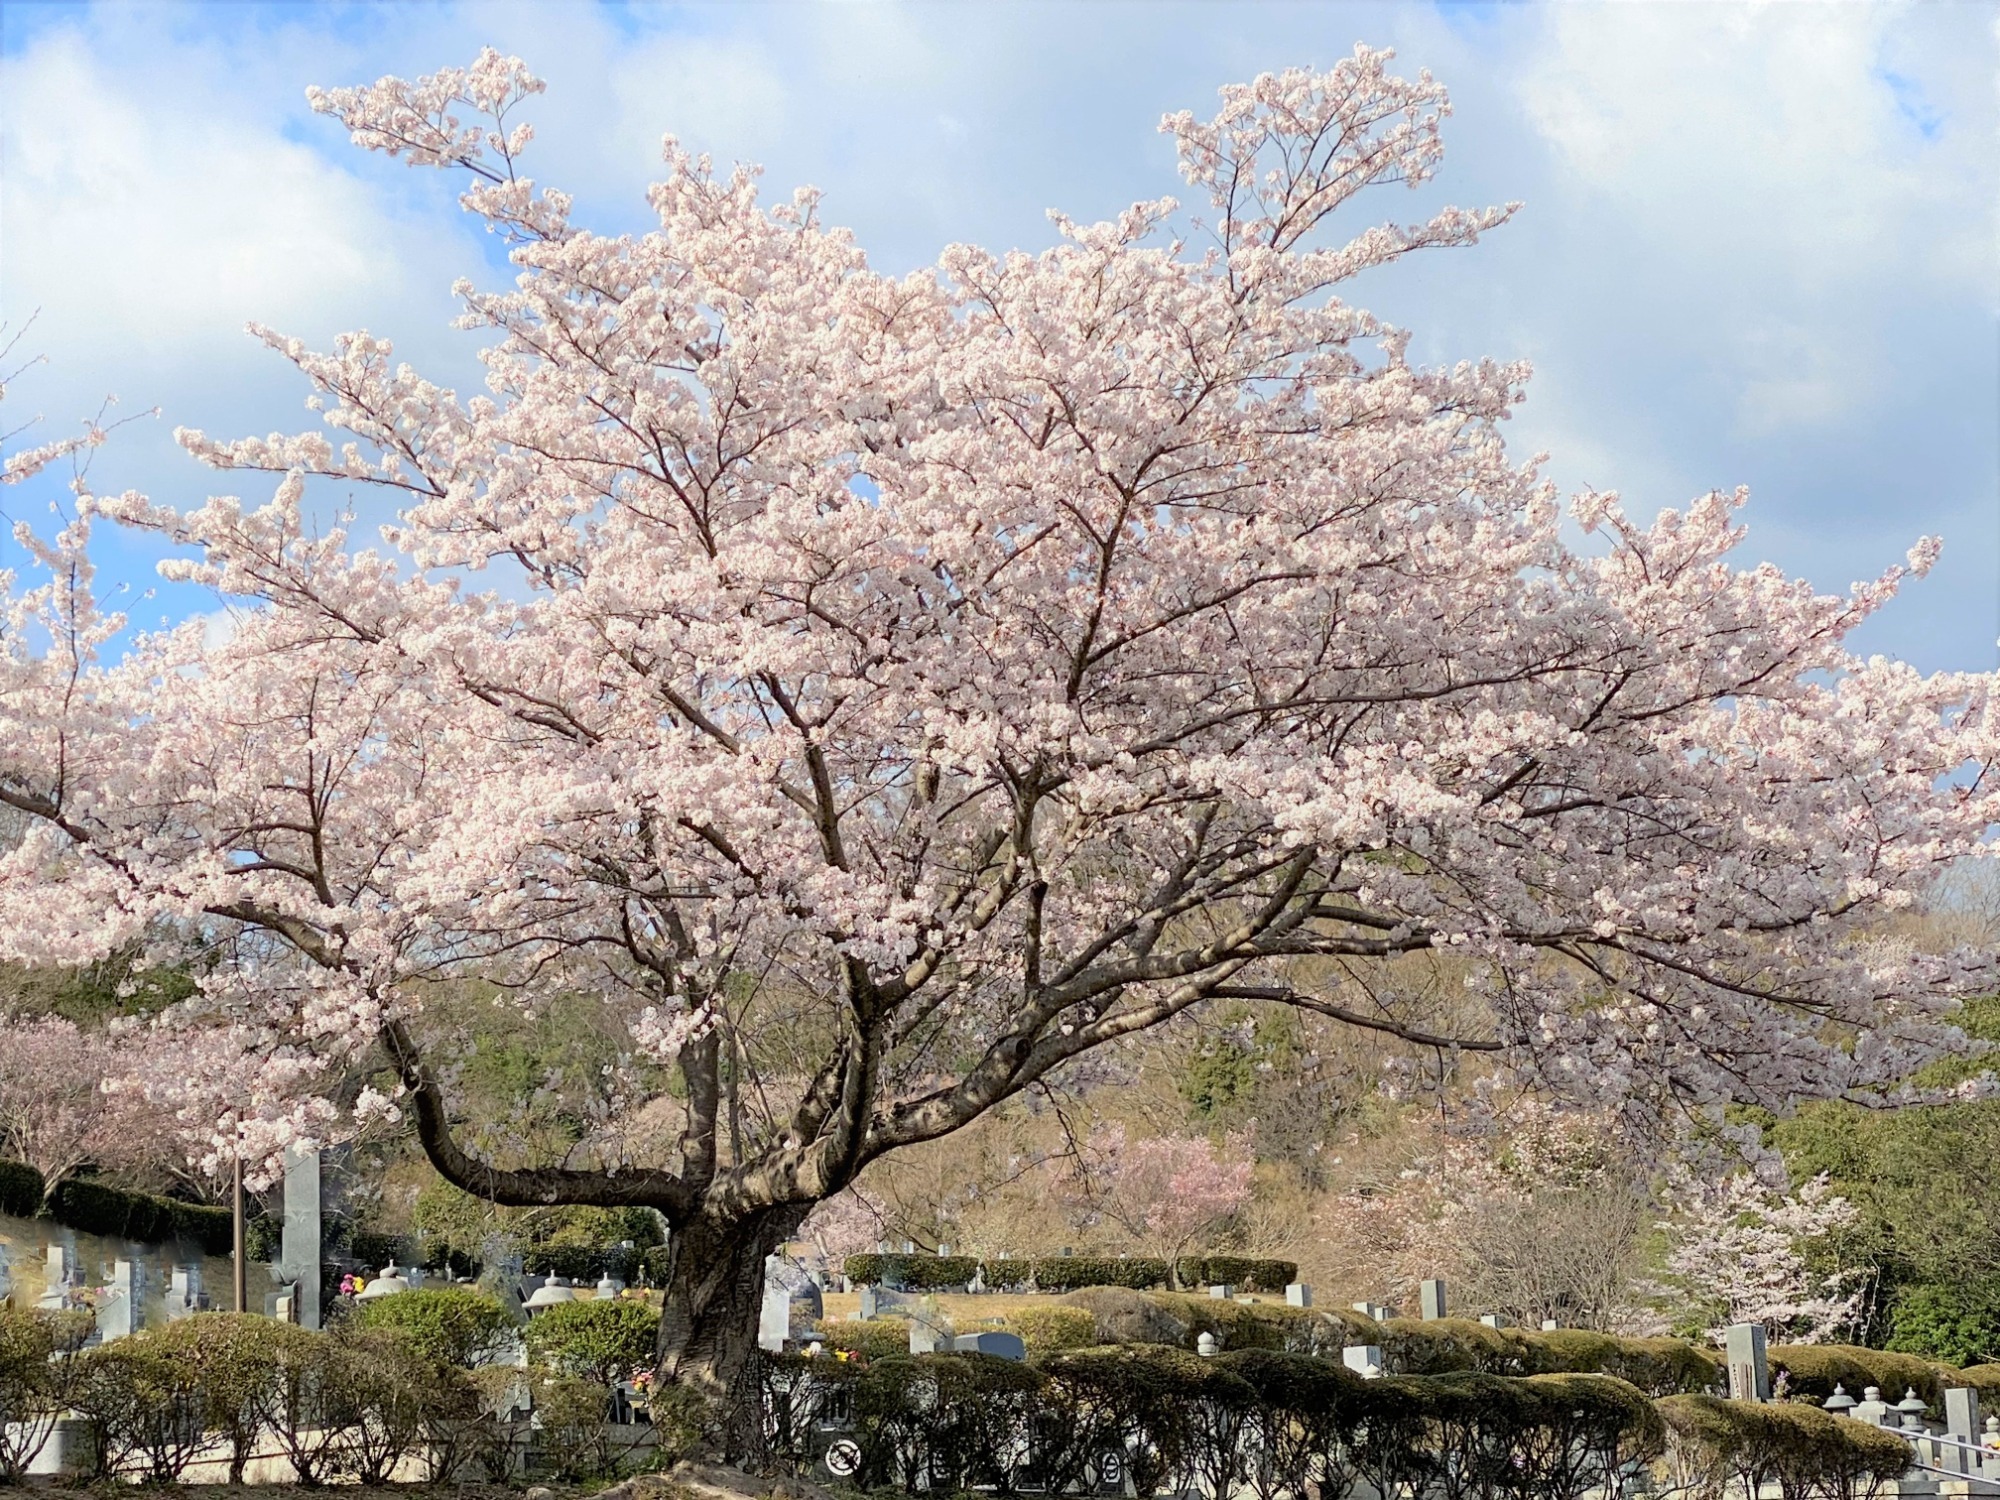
[708,1319]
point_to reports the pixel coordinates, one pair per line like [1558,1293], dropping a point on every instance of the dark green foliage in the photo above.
[1006,1275]
[20,1189]
[1066,1273]
[1245,1273]
[98,1208]
[451,1325]
[1957,1323]
[1299,1430]
[1711,1442]
[602,1341]
[911,1273]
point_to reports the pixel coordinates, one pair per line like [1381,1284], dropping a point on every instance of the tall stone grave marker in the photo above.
[299,1245]
[1431,1295]
[1749,1372]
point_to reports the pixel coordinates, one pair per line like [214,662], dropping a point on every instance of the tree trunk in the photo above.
[708,1320]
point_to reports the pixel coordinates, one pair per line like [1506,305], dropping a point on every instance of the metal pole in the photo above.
[242,1260]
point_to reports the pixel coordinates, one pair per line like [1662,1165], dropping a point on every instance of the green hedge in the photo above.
[20,1189]
[914,1273]
[1047,1329]
[1811,1371]
[1007,1275]
[873,1338]
[1712,1442]
[449,1325]
[602,1341]
[1278,1423]
[1245,1273]
[97,1208]
[1068,1273]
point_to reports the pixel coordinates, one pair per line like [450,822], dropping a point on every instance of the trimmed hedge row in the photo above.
[94,1207]
[348,1405]
[1813,1370]
[1068,1273]
[1801,1449]
[1173,1421]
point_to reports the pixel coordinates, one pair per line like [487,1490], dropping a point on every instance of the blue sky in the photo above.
[1758,247]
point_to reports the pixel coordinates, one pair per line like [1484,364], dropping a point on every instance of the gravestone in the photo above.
[992,1341]
[774,1321]
[1431,1300]
[1749,1371]
[1961,1422]
[184,1293]
[299,1242]
[1222,1291]
[64,1276]
[1550,1325]
[1364,1359]
[929,1332]
[1298,1294]
[123,1311]
[1494,1320]
[869,1302]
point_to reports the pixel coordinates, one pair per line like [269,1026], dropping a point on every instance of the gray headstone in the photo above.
[1222,1291]
[869,1302]
[1298,1294]
[300,1243]
[1431,1299]
[123,1311]
[1550,1325]
[774,1321]
[1000,1345]
[1749,1372]
[1961,1421]
[1363,1359]
[63,1274]
[928,1333]
[1494,1320]
[184,1293]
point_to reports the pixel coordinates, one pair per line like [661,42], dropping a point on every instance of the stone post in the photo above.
[299,1247]
[1749,1372]
[1432,1300]
[1298,1294]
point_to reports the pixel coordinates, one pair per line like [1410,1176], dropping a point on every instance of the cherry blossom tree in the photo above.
[1166,1191]
[54,1113]
[881,695]
[1742,1251]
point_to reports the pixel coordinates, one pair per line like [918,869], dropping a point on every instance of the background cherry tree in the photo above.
[875,696]
[1166,1191]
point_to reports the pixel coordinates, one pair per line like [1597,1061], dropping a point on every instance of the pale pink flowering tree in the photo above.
[1166,1191]
[54,1113]
[1741,1251]
[892,691]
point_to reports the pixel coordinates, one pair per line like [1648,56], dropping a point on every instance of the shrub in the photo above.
[914,1273]
[144,1411]
[1249,1274]
[1047,1329]
[37,1379]
[1127,1317]
[868,1338]
[1065,1273]
[232,1359]
[1260,1325]
[20,1189]
[1659,1367]
[1447,1346]
[1006,1275]
[1810,1371]
[1984,1379]
[1957,1323]
[98,1208]
[1175,1415]
[944,1422]
[573,1417]
[1298,1428]
[1711,1441]
[601,1340]
[451,1325]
